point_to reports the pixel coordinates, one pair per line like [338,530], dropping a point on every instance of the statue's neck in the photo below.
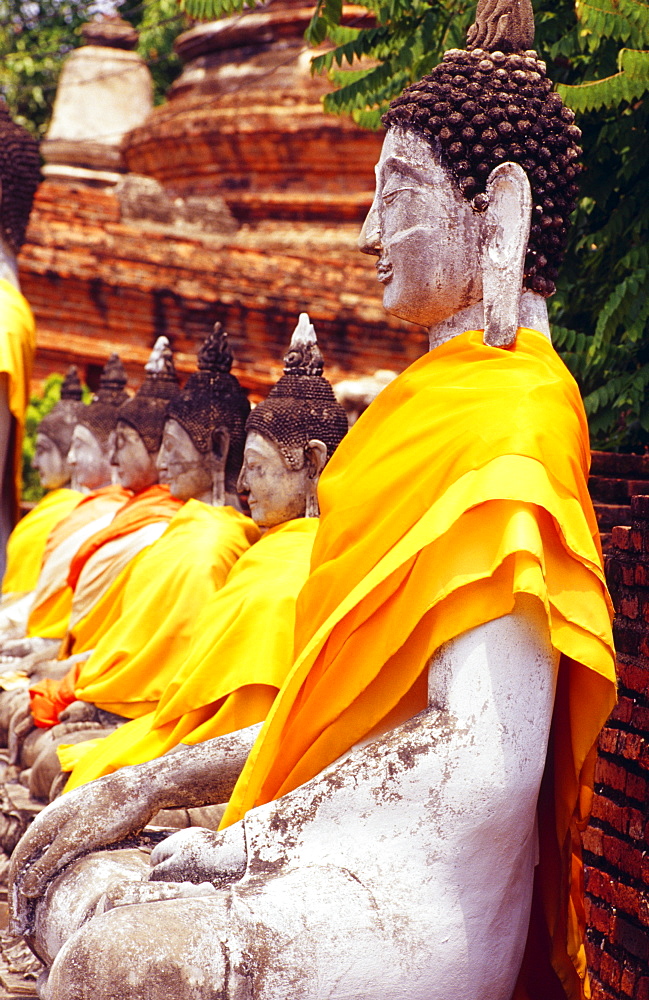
[533,314]
[8,265]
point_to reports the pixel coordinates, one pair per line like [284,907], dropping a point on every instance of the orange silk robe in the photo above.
[240,655]
[463,484]
[17,346]
[141,630]
[52,597]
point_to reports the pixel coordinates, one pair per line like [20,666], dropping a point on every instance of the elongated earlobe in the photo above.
[216,462]
[505,234]
[316,457]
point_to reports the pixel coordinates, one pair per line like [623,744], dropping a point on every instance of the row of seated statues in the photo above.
[315,710]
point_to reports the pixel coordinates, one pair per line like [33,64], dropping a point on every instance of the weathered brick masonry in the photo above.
[616,842]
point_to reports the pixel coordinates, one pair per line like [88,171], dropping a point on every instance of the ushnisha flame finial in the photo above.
[304,357]
[71,386]
[161,358]
[215,354]
[502,26]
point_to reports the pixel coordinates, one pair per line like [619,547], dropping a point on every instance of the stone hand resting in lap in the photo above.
[349,841]
[120,805]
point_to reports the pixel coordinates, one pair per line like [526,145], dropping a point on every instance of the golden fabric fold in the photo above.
[142,628]
[152,504]
[242,650]
[17,346]
[27,542]
[463,484]
[52,605]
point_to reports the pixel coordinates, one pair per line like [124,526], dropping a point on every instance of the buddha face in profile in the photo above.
[476,181]
[423,232]
[89,464]
[50,463]
[274,491]
[181,466]
[136,467]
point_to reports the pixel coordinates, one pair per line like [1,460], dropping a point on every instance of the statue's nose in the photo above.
[369,239]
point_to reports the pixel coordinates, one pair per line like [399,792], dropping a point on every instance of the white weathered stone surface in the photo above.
[102,94]
[403,870]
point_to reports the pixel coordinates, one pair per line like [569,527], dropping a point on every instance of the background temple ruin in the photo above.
[237,200]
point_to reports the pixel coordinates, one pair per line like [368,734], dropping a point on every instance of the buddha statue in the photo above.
[72,440]
[51,534]
[225,680]
[127,517]
[143,518]
[406,822]
[26,544]
[19,178]
[54,435]
[91,444]
[87,458]
[140,631]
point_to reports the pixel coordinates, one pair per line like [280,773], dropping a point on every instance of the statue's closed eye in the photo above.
[389,196]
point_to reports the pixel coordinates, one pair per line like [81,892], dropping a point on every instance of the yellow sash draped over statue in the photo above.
[26,545]
[463,484]
[155,609]
[242,652]
[17,346]
[52,605]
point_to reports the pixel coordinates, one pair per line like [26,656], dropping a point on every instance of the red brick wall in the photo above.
[616,844]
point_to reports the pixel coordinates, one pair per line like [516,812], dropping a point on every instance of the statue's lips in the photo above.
[383,271]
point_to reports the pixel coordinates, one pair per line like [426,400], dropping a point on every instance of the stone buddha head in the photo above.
[20,173]
[476,182]
[138,433]
[203,438]
[89,455]
[291,435]
[54,435]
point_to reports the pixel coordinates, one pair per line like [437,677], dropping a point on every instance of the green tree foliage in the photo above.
[599,59]
[34,38]
[159,23]
[36,35]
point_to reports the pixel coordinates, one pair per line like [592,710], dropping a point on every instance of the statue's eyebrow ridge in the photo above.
[403,167]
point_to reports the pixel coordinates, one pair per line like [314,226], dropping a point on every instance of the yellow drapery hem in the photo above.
[242,651]
[154,606]
[52,605]
[17,346]
[27,541]
[464,483]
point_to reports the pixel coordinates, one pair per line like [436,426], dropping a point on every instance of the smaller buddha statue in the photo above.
[42,544]
[51,534]
[26,544]
[19,178]
[91,444]
[54,435]
[139,633]
[144,507]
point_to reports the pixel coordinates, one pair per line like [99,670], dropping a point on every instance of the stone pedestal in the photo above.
[104,91]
